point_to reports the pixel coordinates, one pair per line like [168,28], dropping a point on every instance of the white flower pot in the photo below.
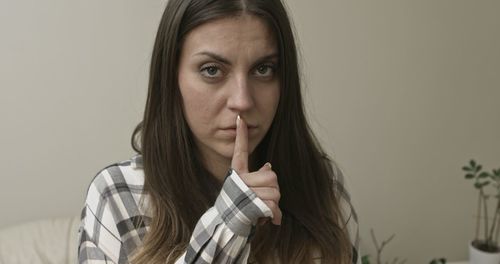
[477,256]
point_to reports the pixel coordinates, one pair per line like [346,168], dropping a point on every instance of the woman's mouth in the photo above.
[231,131]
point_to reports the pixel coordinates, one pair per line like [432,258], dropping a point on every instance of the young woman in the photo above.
[227,170]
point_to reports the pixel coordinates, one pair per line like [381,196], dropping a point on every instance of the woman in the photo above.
[224,94]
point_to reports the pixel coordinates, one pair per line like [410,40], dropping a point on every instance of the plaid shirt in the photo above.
[111,227]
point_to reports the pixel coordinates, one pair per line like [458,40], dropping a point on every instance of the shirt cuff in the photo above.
[238,206]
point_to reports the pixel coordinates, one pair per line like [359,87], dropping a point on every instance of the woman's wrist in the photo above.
[238,206]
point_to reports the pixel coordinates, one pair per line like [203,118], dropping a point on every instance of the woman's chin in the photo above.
[225,151]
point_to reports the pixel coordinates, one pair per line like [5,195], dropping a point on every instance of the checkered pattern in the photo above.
[221,236]
[111,228]
[114,222]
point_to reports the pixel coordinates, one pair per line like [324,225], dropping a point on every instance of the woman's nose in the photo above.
[240,97]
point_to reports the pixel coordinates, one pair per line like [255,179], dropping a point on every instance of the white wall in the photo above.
[402,93]
[73,84]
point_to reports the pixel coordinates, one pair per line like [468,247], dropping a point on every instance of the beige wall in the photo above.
[402,93]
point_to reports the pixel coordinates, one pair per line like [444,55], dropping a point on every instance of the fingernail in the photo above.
[238,121]
[268,164]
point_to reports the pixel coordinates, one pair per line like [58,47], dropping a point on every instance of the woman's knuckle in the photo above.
[270,178]
[277,194]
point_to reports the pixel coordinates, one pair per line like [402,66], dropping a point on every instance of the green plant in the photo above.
[365,259]
[438,261]
[481,180]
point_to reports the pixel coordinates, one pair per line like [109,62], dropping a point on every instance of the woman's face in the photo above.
[228,67]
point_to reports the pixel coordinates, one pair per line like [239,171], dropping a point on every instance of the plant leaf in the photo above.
[479,167]
[485,183]
[483,175]
[469,176]
[365,259]
[465,168]
[472,163]
[477,185]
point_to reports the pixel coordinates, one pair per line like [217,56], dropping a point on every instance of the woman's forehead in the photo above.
[231,36]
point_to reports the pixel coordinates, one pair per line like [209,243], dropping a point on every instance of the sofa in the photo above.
[50,241]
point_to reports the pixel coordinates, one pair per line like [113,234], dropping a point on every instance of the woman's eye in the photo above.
[211,71]
[265,70]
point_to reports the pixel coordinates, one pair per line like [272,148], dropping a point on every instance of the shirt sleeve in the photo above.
[99,239]
[223,233]
[89,252]
[112,225]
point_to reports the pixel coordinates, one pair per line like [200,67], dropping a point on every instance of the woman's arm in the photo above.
[106,234]
[221,235]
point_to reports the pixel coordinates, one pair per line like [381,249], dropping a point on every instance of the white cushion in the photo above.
[44,241]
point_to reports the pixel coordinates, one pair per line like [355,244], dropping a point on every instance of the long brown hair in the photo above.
[180,189]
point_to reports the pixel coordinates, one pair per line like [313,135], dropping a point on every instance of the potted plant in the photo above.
[485,249]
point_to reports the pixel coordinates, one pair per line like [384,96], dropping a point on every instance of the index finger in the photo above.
[239,161]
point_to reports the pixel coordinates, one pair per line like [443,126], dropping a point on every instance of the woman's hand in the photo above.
[263,182]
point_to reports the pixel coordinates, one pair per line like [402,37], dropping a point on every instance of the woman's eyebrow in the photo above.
[214,56]
[266,58]
[226,61]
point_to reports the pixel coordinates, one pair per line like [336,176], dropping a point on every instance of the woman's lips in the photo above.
[231,131]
